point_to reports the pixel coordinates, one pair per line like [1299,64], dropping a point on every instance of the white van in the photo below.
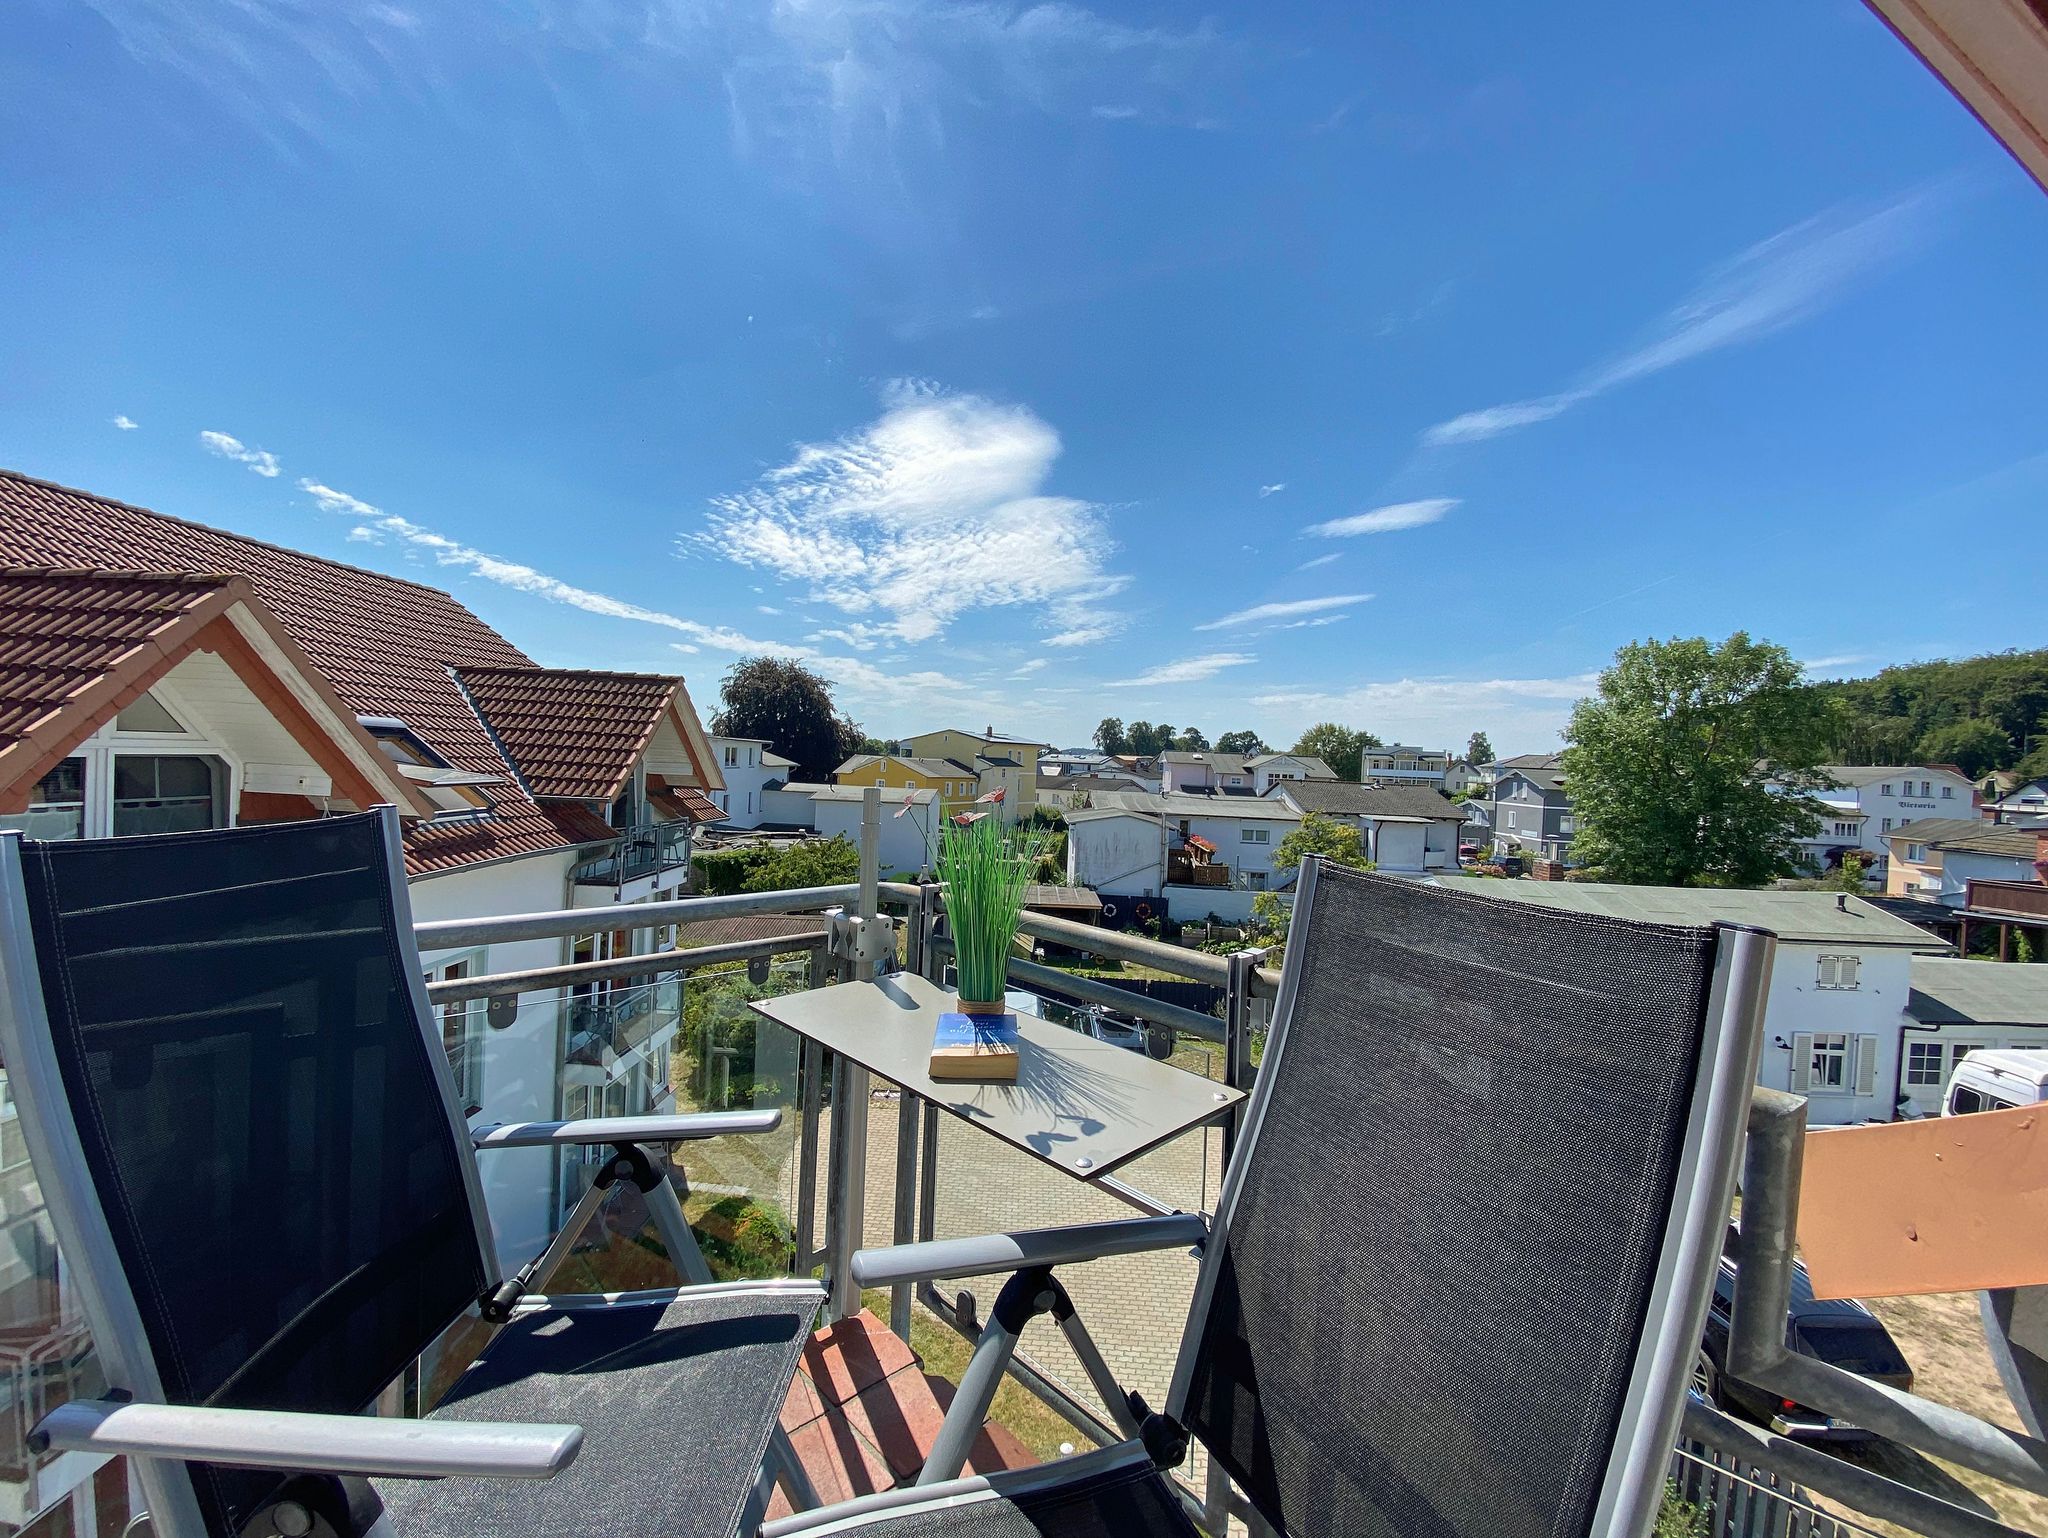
[1996,1079]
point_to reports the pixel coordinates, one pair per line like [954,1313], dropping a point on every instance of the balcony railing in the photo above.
[795,1200]
[648,849]
[2021,899]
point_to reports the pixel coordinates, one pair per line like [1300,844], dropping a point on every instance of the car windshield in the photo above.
[1852,1345]
[1116,1030]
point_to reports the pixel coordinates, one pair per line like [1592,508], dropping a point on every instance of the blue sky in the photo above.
[1237,367]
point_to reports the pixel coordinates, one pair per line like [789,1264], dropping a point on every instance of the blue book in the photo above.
[975,1047]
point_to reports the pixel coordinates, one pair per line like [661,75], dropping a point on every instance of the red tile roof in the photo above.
[63,630]
[683,801]
[577,823]
[385,645]
[571,733]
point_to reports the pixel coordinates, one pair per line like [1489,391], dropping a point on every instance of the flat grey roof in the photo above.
[1808,918]
[1948,990]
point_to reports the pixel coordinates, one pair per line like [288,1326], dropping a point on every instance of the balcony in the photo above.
[2009,899]
[781,1203]
[647,849]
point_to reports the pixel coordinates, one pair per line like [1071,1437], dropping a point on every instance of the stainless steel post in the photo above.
[905,1209]
[1237,1038]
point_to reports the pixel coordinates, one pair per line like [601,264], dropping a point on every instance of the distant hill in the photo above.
[1979,713]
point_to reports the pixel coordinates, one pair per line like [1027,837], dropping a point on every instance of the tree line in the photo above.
[1978,713]
[1341,747]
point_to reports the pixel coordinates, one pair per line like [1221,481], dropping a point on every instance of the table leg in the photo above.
[905,1209]
[849,1185]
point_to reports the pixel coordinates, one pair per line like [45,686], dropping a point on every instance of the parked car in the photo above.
[1993,1079]
[1840,1332]
[1114,1029]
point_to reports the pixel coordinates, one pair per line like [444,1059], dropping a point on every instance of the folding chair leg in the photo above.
[1024,1295]
[675,1233]
[796,1483]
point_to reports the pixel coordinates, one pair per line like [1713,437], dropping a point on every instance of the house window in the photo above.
[1923,1062]
[1845,830]
[462,1038]
[1838,972]
[147,714]
[1948,792]
[167,793]
[1885,789]
[732,755]
[1830,1065]
[56,807]
[1917,853]
[1926,787]
[1887,826]
[1255,835]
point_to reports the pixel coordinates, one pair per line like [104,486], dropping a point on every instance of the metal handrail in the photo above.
[462,934]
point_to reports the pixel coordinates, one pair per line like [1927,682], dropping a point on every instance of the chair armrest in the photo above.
[988,1254]
[685,1127]
[328,1444]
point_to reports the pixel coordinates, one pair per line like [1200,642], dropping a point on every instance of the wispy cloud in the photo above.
[1832,664]
[1027,669]
[1273,490]
[126,423]
[1320,560]
[374,526]
[934,509]
[1776,283]
[1291,609]
[1385,520]
[1189,670]
[260,461]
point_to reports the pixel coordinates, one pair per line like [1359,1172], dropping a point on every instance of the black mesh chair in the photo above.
[243,1120]
[1462,1254]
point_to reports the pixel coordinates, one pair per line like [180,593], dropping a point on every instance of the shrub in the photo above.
[722,872]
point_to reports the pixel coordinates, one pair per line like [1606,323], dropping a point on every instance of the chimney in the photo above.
[1842,902]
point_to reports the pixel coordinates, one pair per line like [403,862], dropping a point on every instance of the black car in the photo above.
[1840,1332]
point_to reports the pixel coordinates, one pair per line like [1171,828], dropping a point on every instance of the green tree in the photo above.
[1976,746]
[875,745]
[1110,737]
[1338,746]
[1671,766]
[1885,718]
[1270,917]
[1240,742]
[790,706]
[1146,739]
[1479,750]
[1339,842]
[814,862]
[1191,740]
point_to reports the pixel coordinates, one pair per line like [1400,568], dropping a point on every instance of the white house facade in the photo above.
[749,768]
[1399,764]
[1407,830]
[1195,855]
[1870,801]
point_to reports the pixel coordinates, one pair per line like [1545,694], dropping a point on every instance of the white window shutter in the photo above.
[1802,1062]
[1866,1065]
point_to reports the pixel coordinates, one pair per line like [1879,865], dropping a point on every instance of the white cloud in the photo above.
[1288,610]
[1189,670]
[766,608]
[126,423]
[260,461]
[1277,486]
[1321,560]
[1774,284]
[1027,669]
[1385,520]
[1491,422]
[376,525]
[1831,664]
[1519,714]
[934,509]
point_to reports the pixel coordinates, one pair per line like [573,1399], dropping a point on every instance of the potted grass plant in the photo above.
[986,868]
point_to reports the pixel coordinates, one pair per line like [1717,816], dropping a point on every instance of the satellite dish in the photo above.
[502,1010]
